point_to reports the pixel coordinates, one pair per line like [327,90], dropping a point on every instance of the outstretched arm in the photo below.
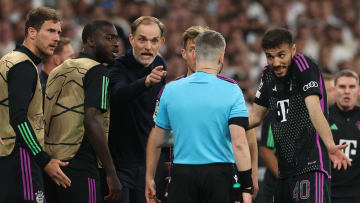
[321,125]
[122,92]
[257,114]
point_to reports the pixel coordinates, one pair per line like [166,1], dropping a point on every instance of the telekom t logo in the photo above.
[283,107]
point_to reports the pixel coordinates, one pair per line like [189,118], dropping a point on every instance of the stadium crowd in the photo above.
[325,30]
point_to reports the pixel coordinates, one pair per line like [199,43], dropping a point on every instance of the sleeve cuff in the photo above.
[240,121]
[42,159]
[166,127]
[313,93]
[142,81]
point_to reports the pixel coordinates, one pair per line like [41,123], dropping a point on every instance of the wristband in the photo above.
[245,178]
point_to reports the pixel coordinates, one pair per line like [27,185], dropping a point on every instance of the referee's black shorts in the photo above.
[210,183]
[21,178]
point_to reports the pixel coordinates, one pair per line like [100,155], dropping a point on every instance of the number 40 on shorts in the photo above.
[301,190]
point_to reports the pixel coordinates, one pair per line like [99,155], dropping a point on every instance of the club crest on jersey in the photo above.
[39,196]
[310,85]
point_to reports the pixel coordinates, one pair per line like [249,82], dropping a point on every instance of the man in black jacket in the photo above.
[135,81]
[344,121]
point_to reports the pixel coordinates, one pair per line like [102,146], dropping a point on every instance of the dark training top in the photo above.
[72,87]
[345,127]
[299,147]
[24,102]
[132,106]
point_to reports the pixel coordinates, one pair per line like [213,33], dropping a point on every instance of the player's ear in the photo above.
[221,58]
[293,49]
[162,41]
[32,33]
[183,53]
[57,59]
[131,39]
[91,42]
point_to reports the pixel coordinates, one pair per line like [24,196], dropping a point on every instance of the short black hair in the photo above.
[90,28]
[276,37]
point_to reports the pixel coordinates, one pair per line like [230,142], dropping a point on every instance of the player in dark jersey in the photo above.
[344,121]
[22,159]
[77,117]
[268,154]
[293,89]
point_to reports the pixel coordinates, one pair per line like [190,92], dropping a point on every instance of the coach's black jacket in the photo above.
[132,106]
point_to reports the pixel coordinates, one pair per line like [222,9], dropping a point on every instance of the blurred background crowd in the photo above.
[326,30]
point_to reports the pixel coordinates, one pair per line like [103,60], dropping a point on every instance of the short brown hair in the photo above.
[60,46]
[346,73]
[147,20]
[38,16]
[192,32]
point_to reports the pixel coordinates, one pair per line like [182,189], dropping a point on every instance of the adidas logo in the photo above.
[334,127]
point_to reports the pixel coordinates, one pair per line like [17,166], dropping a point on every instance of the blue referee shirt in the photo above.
[197,109]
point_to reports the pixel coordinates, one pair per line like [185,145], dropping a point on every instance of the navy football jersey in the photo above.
[345,126]
[298,145]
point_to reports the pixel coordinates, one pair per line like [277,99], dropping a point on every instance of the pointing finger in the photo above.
[159,68]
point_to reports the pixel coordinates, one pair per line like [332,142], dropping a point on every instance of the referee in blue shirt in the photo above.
[208,116]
